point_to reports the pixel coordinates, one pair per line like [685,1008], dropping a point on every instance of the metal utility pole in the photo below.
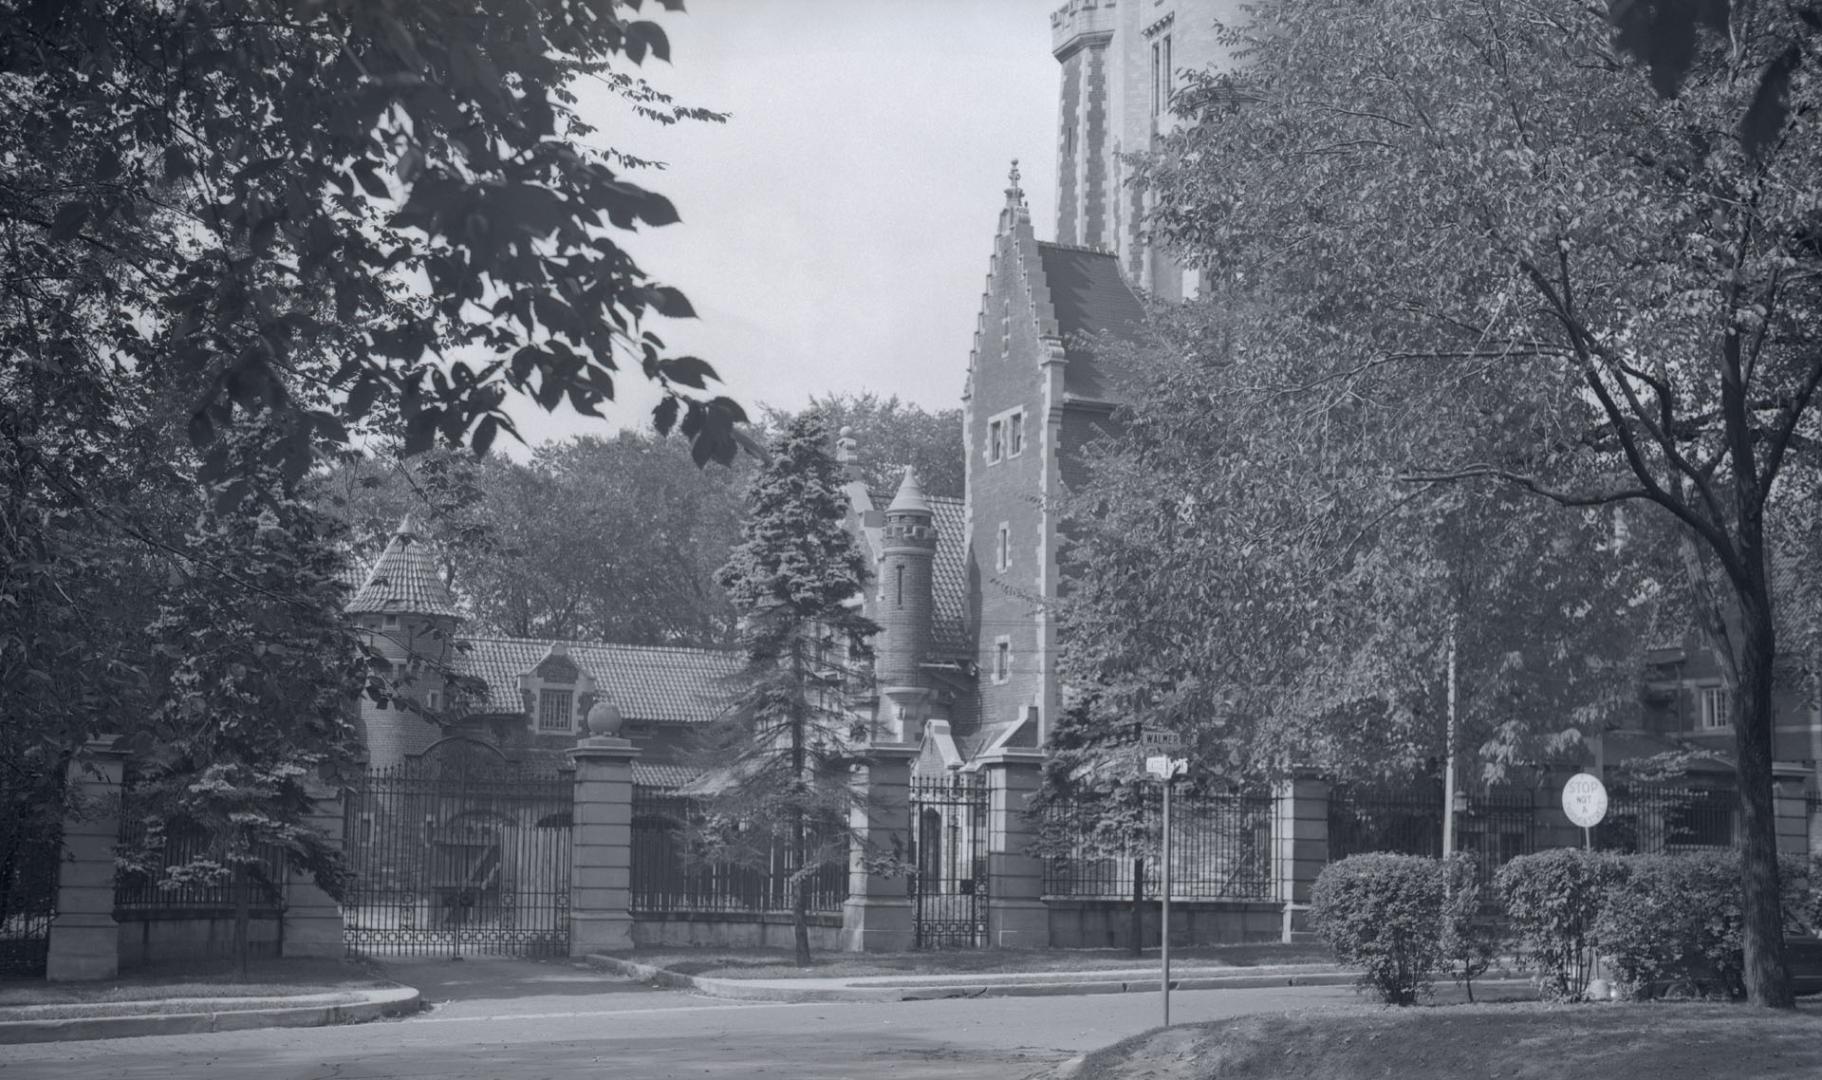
[1448,761]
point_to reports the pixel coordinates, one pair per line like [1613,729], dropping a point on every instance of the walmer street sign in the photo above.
[1159,739]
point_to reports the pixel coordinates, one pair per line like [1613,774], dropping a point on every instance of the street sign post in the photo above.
[1164,765]
[1585,802]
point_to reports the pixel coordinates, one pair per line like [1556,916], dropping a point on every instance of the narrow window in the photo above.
[996,440]
[900,577]
[1002,660]
[554,710]
[1002,557]
[1156,60]
[1015,434]
[1714,708]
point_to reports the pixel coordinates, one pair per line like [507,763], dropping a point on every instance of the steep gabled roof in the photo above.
[1090,298]
[404,580]
[649,682]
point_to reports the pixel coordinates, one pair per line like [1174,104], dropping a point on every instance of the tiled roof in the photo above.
[1090,298]
[658,775]
[949,635]
[405,579]
[949,580]
[666,685]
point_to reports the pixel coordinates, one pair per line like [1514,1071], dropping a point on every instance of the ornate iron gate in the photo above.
[949,858]
[459,852]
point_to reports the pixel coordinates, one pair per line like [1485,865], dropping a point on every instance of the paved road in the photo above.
[533,1022]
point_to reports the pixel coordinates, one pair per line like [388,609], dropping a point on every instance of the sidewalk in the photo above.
[186,1016]
[185,997]
[1006,984]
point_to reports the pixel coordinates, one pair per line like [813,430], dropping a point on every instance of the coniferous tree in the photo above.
[779,756]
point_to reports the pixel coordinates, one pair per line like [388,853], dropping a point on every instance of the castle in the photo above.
[966,661]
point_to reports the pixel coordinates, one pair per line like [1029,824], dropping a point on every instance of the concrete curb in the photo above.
[315,1011]
[757,990]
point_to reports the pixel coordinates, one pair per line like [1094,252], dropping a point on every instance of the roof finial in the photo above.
[1014,194]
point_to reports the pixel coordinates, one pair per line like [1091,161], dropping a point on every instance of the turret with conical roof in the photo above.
[906,606]
[410,616]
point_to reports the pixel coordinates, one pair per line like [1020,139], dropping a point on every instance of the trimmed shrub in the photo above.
[1469,941]
[1383,915]
[1552,900]
[1673,923]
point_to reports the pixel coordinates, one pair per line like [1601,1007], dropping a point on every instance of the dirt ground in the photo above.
[1510,1041]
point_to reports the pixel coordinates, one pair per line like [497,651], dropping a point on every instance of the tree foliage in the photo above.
[1478,219]
[1246,568]
[320,211]
[592,539]
[890,434]
[781,754]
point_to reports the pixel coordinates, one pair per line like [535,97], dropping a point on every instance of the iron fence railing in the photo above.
[1220,848]
[1495,826]
[667,876]
[1650,819]
[28,902]
[145,887]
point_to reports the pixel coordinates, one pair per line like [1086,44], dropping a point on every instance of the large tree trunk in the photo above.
[1766,977]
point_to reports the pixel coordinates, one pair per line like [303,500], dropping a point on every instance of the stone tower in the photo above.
[410,618]
[905,611]
[1122,62]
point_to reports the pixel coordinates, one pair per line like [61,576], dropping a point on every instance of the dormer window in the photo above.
[556,709]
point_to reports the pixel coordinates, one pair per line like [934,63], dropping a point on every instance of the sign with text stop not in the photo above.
[1585,800]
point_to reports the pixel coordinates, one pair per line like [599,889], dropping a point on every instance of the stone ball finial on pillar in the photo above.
[604,717]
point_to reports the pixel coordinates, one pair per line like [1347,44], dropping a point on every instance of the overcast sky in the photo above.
[836,230]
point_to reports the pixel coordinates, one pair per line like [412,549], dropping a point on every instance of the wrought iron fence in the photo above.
[1649,819]
[668,877]
[1220,848]
[1494,826]
[144,888]
[459,853]
[28,902]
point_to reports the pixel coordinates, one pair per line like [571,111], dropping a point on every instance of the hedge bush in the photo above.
[1383,914]
[1469,941]
[1552,900]
[1673,923]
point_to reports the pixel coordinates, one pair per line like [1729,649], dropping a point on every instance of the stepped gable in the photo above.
[949,637]
[649,682]
[1090,298]
[404,580]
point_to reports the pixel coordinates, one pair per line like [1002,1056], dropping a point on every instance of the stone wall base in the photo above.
[877,926]
[1107,924]
[148,939]
[689,930]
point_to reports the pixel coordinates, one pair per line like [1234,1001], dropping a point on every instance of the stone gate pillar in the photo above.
[1017,917]
[877,914]
[1300,846]
[85,939]
[601,843]
[313,920]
